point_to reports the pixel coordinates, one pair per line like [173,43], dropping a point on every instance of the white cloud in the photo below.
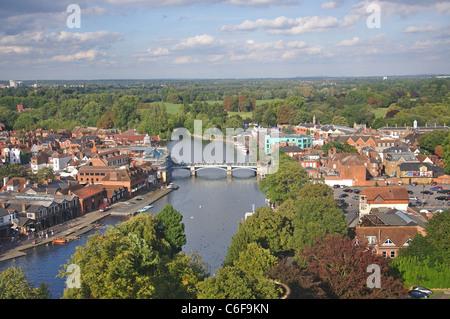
[348,43]
[185,60]
[284,25]
[414,29]
[196,41]
[329,5]
[443,8]
[158,52]
[89,55]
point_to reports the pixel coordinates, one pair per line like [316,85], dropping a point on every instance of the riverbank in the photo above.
[74,228]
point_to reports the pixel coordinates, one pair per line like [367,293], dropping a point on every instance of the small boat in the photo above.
[59,241]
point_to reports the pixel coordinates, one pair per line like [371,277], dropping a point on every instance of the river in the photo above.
[211,203]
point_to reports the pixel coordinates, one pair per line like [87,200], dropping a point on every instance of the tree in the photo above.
[133,261]
[342,268]
[13,170]
[172,227]
[429,141]
[269,229]
[286,182]
[14,285]
[245,279]
[124,110]
[284,114]
[314,217]
[45,174]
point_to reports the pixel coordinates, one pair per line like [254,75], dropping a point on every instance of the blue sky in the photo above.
[149,39]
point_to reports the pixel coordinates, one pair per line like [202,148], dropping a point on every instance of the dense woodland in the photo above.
[156,107]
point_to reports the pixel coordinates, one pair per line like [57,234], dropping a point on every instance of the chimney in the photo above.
[24,207]
[3,204]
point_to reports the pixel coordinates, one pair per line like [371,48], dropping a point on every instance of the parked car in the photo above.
[427,192]
[410,192]
[423,289]
[348,190]
[414,184]
[436,188]
[444,191]
[413,198]
[356,197]
[442,197]
[336,186]
[433,184]
[343,195]
[357,191]
[418,294]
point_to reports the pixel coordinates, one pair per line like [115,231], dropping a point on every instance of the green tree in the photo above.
[13,170]
[270,229]
[133,261]
[286,182]
[314,217]
[172,227]
[246,279]
[14,285]
[44,174]
[430,140]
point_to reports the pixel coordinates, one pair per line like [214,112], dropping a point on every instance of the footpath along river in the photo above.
[211,203]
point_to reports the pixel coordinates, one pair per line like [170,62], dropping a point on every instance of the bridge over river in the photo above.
[228,167]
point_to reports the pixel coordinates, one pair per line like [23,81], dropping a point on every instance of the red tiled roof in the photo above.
[388,193]
[88,191]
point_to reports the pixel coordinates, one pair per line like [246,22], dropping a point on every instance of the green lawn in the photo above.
[379,112]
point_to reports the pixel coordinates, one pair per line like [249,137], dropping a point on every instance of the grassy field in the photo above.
[379,112]
[174,108]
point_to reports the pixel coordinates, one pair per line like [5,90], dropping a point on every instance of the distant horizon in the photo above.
[444,75]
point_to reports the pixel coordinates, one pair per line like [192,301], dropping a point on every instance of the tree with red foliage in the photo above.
[342,267]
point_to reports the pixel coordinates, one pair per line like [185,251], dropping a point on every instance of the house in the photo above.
[39,211]
[358,141]
[110,158]
[292,151]
[392,160]
[16,184]
[132,137]
[351,169]
[384,197]
[39,161]
[421,173]
[386,241]
[90,198]
[6,222]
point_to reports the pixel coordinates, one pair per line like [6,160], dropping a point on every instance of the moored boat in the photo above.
[59,241]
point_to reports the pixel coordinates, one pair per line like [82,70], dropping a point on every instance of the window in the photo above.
[392,253]
[384,254]
[388,242]
[371,240]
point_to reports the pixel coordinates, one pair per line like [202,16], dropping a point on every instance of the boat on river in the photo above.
[59,241]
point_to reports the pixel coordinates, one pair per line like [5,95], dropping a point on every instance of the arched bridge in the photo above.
[228,167]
